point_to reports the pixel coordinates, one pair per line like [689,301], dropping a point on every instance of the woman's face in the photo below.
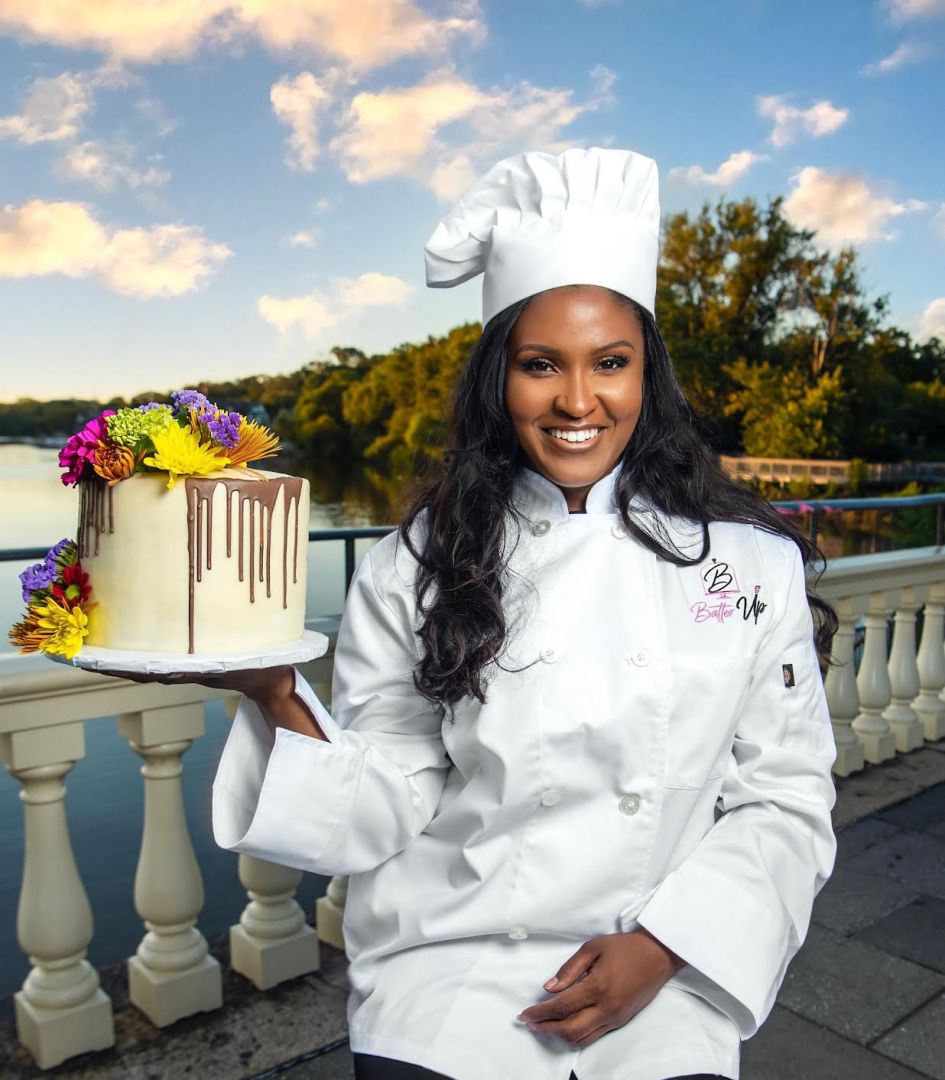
[574,384]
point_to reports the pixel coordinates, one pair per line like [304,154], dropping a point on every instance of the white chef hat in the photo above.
[535,221]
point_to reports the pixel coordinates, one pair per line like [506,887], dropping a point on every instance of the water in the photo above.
[105,790]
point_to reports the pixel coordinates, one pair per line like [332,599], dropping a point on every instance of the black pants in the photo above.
[371,1067]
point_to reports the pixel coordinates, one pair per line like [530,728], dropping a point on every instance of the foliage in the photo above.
[774,339]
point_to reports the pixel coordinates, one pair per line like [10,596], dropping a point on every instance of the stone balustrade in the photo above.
[891,703]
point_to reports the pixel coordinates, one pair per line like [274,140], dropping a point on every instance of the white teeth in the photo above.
[575,436]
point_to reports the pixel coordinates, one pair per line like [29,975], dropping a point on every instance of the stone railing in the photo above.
[823,471]
[891,705]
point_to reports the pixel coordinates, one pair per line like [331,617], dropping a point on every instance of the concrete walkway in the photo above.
[864,999]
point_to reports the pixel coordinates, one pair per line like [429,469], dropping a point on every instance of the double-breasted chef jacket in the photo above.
[661,758]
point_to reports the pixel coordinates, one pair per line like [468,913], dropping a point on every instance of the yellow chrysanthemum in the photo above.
[256,443]
[67,627]
[179,452]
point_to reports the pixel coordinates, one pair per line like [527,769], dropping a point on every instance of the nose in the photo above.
[575,397]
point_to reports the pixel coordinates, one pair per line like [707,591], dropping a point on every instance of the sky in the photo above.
[207,189]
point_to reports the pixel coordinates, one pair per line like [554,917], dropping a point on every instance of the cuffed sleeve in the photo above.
[737,907]
[346,805]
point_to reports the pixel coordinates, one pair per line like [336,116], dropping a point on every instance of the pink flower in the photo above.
[80,449]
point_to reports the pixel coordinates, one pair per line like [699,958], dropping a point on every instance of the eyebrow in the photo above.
[555,352]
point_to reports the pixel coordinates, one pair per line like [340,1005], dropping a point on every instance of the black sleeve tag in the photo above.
[788,670]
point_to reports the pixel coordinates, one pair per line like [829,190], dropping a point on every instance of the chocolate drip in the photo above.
[257,493]
[92,513]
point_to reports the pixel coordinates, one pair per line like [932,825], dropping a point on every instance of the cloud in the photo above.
[441,130]
[841,208]
[107,166]
[904,10]
[938,220]
[40,238]
[304,238]
[729,172]
[295,103]
[319,311]
[51,110]
[175,29]
[820,119]
[906,53]
[932,321]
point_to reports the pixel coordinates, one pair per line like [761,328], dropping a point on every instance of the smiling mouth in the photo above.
[573,436]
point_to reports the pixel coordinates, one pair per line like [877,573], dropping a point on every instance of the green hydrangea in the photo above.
[133,428]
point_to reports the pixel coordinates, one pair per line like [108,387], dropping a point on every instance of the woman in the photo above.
[578,728]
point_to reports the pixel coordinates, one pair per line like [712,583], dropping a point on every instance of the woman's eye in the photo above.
[535,363]
[614,363]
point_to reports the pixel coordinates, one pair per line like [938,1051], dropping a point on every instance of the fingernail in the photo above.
[551,982]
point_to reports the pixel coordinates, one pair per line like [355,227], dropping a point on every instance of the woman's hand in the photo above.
[263,685]
[603,986]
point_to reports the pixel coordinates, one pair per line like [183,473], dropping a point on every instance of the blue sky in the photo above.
[203,189]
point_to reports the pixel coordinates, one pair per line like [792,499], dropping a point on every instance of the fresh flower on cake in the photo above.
[190,436]
[187,436]
[56,592]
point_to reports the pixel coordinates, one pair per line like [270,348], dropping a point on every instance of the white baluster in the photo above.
[330,910]
[929,705]
[872,683]
[904,675]
[272,942]
[61,1010]
[840,686]
[172,975]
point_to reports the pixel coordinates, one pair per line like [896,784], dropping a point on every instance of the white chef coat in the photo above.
[655,765]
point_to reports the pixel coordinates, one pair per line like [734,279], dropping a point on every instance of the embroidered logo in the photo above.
[788,671]
[752,610]
[719,579]
[705,612]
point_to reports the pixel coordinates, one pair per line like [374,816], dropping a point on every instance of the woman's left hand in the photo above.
[603,986]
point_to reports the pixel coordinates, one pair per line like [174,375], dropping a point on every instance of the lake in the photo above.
[105,790]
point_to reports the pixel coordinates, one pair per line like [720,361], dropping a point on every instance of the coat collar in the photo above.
[537,497]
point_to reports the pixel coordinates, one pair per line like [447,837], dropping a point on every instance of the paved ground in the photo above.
[864,999]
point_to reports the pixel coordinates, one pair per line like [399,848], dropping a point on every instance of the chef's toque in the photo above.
[535,221]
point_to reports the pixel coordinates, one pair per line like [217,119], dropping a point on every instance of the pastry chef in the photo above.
[578,756]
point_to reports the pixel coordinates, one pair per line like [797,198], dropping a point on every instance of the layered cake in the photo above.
[181,546]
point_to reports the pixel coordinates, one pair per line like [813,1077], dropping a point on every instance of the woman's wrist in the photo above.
[270,686]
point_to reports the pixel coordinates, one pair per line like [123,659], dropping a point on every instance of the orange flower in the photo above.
[27,636]
[255,443]
[114,462]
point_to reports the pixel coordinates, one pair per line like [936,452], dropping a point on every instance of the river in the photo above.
[105,794]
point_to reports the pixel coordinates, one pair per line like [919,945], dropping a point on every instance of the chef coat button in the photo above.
[619,530]
[550,797]
[548,655]
[518,933]
[640,657]
[630,804]
[539,528]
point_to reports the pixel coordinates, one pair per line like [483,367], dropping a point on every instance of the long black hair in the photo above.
[463,555]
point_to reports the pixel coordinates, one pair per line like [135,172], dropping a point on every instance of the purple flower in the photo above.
[189,399]
[65,552]
[224,427]
[37,577]
[151,405]
[80,448]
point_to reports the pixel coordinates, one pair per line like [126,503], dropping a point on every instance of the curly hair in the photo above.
[463,557]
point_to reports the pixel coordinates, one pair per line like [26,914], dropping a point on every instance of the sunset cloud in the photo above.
[842,208]
[732,169]
[822,118]
[304,238]
[50,111]
[319,311]
[403,131]
[175,29]
[106,167]
[907,53]
[40,238]
[295,103]
[932,321]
